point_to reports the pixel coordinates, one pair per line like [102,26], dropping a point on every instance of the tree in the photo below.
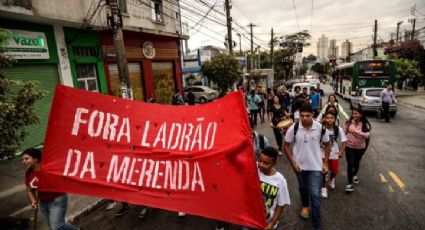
[16,104]
[223,69]
[410,50]
[407,68]
[321,68]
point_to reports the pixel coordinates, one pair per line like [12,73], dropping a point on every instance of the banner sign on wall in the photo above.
[193,159]
[24,44]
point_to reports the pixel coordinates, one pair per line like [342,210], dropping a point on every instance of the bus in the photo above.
[362,74]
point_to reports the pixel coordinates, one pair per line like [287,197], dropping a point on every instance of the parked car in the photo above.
[301,85]
[203,94]
[368,99]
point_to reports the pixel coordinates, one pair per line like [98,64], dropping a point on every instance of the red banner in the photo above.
[194,159]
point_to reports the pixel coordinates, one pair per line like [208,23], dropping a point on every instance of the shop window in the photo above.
[164,85]
[87,77]
[135,73]
[84,51]
[156,7]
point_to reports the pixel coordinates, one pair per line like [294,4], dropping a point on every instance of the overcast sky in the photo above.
[336,19]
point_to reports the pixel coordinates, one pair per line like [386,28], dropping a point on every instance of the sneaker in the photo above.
[219,226]
[280,153]
[332,183]
[111,205]
[123,210]
[356,180]
[143,212]
[324,193]
[349,188]
[304,213]
[181,214]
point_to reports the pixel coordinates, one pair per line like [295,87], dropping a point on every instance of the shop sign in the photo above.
[27,45]
[148,50]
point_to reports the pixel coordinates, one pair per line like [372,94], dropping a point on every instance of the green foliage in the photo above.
[321,68]
[17,100]
[407,68]
[223,70]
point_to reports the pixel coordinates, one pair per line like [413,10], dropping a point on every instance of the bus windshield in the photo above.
[374,69]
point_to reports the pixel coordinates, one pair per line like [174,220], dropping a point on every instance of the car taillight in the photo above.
[365,100]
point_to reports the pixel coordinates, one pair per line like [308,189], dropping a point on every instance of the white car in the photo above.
[203,94]
[369,100]
[301,85]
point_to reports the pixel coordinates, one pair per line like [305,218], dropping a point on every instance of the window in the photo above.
[135,74]
[156,7]
[87,77]
[373,92]
[122,5]
[85,51]
[164,85]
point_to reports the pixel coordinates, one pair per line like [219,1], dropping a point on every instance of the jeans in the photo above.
[54,213]
[353,156]
[386,107]
[253,116]
[310,184]
[279,138]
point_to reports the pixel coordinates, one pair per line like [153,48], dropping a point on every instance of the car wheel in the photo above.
[203,100]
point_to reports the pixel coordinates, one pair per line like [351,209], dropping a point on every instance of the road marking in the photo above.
[22,210]
[383,180]
[390,188]
[12,191]
[398,181]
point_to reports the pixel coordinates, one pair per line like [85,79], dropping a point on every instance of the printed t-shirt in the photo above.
[32,180]
[334,143]
[275,192]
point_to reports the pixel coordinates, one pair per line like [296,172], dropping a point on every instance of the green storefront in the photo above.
[86,60]
[34,48]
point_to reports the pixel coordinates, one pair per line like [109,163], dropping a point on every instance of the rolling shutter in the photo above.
[47,77]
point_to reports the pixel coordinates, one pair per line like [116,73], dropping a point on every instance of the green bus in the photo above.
[362,74]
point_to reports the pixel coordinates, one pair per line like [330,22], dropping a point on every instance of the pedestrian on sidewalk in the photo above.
[276,114]
[357,130]
[306,161]
[338,139]
[52,204]
[387,98]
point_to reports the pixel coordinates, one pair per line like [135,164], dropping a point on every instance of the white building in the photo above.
[346,49]
[323,47]
[333,48]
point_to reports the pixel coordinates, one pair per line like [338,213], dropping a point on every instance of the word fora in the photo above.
[134,171]
[171,136]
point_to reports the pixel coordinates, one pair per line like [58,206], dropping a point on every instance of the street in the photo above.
[389,196]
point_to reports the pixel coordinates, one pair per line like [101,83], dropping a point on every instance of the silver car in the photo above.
[369,100]
[203,94]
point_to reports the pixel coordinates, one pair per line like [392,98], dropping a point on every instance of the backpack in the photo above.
[297,125]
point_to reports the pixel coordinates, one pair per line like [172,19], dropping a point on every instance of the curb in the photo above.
[412,105]
[84,212]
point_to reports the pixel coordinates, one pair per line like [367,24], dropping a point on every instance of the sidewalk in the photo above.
[411,98]
[14,199]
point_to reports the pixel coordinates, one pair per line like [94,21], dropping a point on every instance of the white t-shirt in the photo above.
[307,152]
[275,192]
[335,145]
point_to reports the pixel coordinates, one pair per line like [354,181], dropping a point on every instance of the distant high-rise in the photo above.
[333,48]
[346,49]
[323,48]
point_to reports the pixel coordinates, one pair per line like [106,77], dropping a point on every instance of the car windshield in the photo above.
[373,92]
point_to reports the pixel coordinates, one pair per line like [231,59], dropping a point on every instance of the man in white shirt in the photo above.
[306,160]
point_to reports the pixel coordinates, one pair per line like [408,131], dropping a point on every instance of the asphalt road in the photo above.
[391,193]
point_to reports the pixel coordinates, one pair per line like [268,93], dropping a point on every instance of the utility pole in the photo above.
[115,21]
[229,27]
[398,29]
[258,57]
[271,50]
[413,29]
[375,52]
[252,46]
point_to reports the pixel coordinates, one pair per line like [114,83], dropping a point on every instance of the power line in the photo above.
[296,14]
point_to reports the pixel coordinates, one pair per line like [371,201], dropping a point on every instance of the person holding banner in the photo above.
[306,160]
[52,204]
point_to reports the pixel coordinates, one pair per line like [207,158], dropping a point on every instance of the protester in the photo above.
[319,90]
[190,97]
[269,97]
[177,99]
[306,161]
[333,101]
[252,100]
[284,98]
[315,100]
[296,112]
[52,204]
[332,109]
[262,105]
[260,141]
[305,95]
[338,139]
[276,114]
[357,130]
[387,97]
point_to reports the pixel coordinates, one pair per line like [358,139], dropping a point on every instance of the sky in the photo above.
[336,19]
